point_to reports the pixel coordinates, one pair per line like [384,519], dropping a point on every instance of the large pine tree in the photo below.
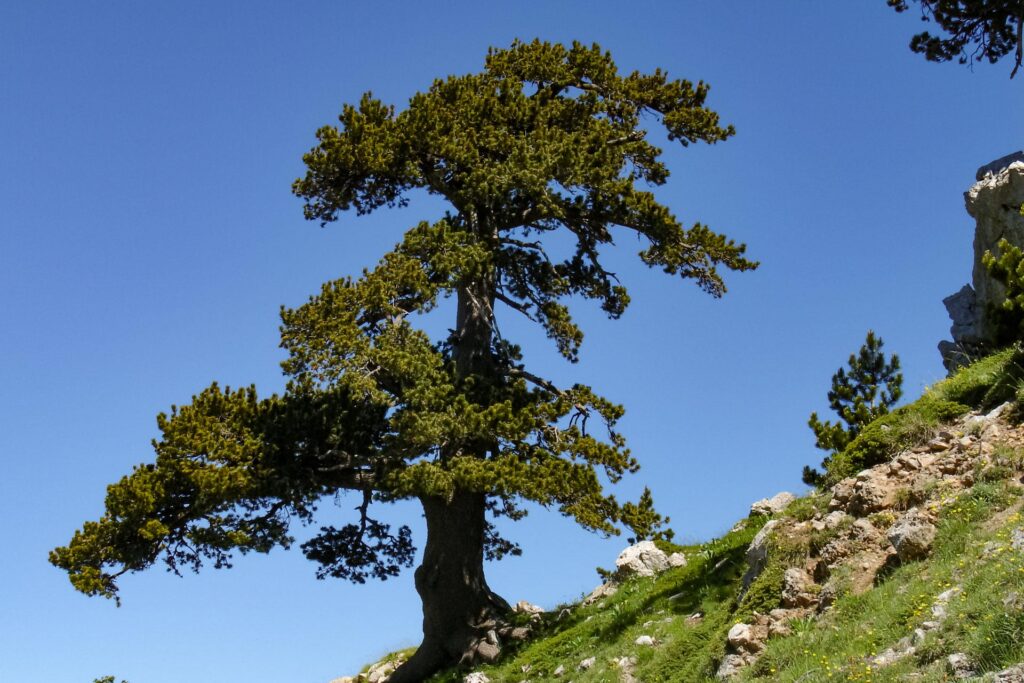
[546,139]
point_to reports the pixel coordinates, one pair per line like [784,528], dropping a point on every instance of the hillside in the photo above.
[908,566]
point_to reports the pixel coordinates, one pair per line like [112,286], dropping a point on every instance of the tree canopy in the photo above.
[546,138]
[974,30]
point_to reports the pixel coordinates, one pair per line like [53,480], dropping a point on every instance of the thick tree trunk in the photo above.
[461,615]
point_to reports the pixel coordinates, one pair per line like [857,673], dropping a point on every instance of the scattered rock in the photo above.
[381,671]
[605,590]
[732,664]
[558,672]
[1014,674]
[773,505]
[960,666]
[677,560]
[645,641]
[476,677]
[912,535]
[524,607]
[626,666]
[487,651]
[798,588]
[587,663]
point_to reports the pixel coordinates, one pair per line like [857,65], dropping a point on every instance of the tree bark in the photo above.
[461,615]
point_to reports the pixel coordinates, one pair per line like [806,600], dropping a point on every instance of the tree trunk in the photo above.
[461,615]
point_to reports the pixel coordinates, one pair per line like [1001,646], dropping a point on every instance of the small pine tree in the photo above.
[858,396]
[1006,319]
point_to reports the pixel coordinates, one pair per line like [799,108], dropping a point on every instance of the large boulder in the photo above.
[641,559]
[994,203]
[912,535]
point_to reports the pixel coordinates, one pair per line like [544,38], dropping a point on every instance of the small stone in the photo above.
[960,665]
[677,560]
[524,607]
[488,652]
[645,641]
[588,663]
[519,633]
[559,672]
[476,677]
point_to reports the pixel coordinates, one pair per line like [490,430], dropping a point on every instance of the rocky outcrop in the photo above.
[773,505]
[994,202]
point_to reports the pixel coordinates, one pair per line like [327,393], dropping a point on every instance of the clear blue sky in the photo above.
[148,237]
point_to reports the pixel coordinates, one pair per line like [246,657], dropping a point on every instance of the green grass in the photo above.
[971,552]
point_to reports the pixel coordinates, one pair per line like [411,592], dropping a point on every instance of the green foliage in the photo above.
[1007,318]
[975,30]
[544,139]
[858,396]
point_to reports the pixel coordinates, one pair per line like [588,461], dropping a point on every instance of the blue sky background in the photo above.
[148,237]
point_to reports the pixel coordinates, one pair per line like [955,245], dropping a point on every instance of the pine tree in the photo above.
[975,30]
[858,396]
[546,139]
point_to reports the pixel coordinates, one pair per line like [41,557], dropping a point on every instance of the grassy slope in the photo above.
[971,552]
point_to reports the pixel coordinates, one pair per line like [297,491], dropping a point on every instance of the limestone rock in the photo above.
[524,607]
[998,165]
[558,672]
[732,664]
[644,641]
[960,666]
[1015,674]
[381,671]
[994,202]
[605,590]
[773,505]
[757,553]
[476,677]
[488,651]
[587,663]
[912,535]
[798,588]
[677,560]
[641,559]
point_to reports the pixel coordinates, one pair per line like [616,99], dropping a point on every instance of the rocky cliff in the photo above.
[994,202]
